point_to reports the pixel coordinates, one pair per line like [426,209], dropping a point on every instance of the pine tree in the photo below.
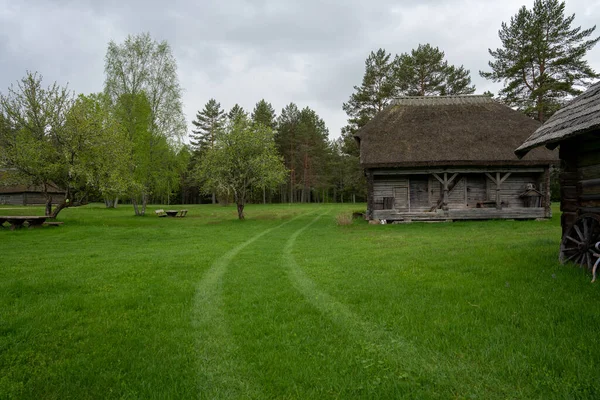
[425,72]
[286,139]
[542,59]
[264,114]
[312,146]
[207,123]
[377,90]
[237,115]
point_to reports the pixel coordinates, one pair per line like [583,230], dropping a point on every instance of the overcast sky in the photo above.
[310,52]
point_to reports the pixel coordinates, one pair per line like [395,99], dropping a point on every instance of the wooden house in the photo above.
[25,195]
[575,130]
[451,157]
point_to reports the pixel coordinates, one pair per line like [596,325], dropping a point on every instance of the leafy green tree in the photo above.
[264,114]
[425,72]
[243,157]
[207,123]
[48,138]
[96,148]
[34,123]
[377,90]
[542,59]
[141,81]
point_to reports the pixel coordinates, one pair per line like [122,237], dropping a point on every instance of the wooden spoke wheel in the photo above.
[578,243]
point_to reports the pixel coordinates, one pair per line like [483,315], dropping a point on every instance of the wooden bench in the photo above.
[160,213]
[53,223]
[182,213]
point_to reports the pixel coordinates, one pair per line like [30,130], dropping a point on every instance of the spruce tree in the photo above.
[237,115]
[207,123]
[264,114]
[542,59]
[425,72]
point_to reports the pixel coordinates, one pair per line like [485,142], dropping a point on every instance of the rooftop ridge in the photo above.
[442,100]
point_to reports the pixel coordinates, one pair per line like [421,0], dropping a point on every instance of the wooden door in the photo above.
[401,198]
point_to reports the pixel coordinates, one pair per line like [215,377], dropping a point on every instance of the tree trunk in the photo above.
[240,210]
[144,203]
[135,206]
[48,210]
[59,207]
[214,197]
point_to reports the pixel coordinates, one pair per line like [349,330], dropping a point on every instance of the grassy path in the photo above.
[391,354]
[219,367]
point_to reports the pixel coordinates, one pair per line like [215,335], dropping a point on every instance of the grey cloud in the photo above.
[310,52]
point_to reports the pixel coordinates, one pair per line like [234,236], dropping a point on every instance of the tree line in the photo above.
[126,143]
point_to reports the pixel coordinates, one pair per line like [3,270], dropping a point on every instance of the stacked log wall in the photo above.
[580,177]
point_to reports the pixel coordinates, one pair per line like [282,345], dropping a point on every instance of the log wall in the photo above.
[580,177]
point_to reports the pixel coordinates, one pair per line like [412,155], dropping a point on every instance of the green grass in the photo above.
[289,304]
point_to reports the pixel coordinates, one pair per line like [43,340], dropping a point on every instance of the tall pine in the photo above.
[425,72]
[264,114]
[207,123]
[375,93]
[542,59]
[237,115]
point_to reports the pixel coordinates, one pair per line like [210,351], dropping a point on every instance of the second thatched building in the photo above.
[451,157]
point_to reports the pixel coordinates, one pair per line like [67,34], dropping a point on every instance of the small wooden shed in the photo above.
[575,129]
[24,195]
[451,157]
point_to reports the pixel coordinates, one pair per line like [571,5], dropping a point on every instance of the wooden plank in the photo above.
[568,176]
[436,176]
[449,181]
[593,210]
[569,205]
[463,214]
[589,172]
[504,178]
[568,192]
[475,170]
[590,197]
[491,178]
[588,203]
[419,191]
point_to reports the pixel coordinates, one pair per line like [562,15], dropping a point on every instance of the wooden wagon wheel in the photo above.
[578,243]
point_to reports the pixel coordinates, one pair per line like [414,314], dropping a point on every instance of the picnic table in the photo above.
[171,213]
[17,221]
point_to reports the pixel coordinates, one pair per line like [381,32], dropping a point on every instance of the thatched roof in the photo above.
[581,115]
[447,130]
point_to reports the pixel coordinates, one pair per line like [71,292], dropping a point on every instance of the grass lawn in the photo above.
[288,304]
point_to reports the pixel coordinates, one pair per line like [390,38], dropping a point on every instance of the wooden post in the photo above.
[370,199]
[498,199]
[445,183]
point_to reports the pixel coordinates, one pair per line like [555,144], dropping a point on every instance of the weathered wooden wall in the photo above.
[410,192]
[15,199]
[27,198]
[580,177]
